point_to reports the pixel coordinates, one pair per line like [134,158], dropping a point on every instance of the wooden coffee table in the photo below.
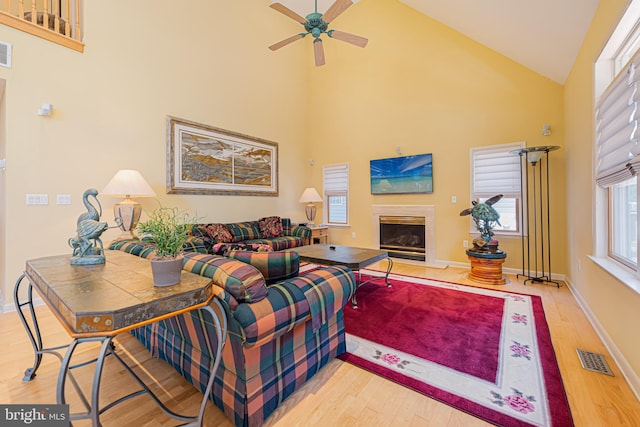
[354,258]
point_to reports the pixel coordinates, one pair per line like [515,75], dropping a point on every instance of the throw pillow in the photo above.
[224,248]
[220,233]
[270,226]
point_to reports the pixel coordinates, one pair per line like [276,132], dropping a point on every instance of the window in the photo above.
[617,150]
[335,180]
[495,170]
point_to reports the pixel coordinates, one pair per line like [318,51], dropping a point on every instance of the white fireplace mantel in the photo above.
[426,211]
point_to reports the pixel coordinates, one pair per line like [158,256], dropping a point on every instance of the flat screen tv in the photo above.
[402,175]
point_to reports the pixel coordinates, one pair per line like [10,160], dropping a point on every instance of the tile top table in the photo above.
[113,296]
[95,303]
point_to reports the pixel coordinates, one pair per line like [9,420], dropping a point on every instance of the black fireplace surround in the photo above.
[403,237]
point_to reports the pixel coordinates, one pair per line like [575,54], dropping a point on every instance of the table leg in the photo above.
[354,301]
[32,329]
[93,408]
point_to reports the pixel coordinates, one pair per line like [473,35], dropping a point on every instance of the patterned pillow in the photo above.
[270,226]
[220,233]
[224,248]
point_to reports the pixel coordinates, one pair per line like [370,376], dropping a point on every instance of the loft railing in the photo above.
[55,20]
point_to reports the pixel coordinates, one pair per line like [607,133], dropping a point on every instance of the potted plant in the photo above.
[168,229]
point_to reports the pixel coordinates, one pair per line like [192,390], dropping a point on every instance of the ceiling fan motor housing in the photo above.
[315,25]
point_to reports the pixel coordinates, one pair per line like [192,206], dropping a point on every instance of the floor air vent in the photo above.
[594,362]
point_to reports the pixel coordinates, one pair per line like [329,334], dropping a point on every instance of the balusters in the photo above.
[77,34]
[56,14]
[57,17]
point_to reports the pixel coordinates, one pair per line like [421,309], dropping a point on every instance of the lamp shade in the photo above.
[127,183]
[310,195]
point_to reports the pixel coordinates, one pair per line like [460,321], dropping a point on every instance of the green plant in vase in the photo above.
[168,229]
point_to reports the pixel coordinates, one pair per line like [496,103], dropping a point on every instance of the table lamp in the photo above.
[127,183]
[309,196]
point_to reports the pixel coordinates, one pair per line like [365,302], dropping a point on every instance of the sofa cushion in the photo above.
[270,226]
[246,230]
[243,281]
[274,266]
[279,243]
[196,244]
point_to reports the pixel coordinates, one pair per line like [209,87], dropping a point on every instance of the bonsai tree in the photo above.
[168,229]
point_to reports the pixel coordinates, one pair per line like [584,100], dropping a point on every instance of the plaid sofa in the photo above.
[273,232]
[279,335]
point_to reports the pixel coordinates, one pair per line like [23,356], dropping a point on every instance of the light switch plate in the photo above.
[37,199]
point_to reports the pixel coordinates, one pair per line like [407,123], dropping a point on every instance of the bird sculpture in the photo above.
[486,218]
[92,212]
[87,246]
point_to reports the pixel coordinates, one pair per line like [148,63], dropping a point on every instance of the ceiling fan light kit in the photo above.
[317,24]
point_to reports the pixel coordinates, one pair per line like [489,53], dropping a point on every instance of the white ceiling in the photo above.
[544,35]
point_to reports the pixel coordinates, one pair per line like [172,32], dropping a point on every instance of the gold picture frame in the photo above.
[204,159]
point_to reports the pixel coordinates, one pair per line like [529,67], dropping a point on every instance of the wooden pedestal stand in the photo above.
[486,267]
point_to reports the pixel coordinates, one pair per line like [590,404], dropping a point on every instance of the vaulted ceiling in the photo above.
[543,35]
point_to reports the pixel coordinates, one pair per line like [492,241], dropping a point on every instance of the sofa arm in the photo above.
[301,231]
[291,303]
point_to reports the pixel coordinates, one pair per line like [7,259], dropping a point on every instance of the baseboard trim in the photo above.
[9,307]
[627,371]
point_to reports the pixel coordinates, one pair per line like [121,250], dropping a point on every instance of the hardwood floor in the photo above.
[340,395]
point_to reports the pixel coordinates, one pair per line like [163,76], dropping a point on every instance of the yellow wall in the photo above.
[615,308]
[425,88]
[418,85]
[206,61]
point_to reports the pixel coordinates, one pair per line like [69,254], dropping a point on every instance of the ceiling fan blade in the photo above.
[286,11]
[349,38]
[336,9]
[318,52]
[286,41]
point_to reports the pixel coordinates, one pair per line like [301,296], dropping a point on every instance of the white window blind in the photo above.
[617,132]
[335,181]
[495,170]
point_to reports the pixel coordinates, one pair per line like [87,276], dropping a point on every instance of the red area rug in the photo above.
[484,352]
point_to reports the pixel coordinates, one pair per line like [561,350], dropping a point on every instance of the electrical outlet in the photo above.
[353,235]
[454,200]
[465,243]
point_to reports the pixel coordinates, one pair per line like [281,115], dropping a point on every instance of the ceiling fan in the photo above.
[317,24]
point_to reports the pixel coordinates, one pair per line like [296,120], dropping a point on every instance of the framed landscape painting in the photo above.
[208,160]
[402,175]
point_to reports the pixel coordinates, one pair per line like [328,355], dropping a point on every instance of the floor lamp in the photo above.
[536,266]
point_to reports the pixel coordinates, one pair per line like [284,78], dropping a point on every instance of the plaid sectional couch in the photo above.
[281,330]
[268,233]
